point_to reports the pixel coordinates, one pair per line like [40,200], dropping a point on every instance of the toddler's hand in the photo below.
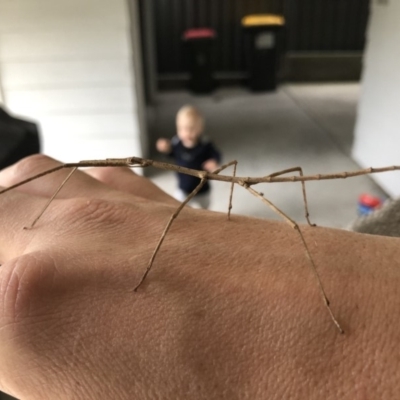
[163,145]
[210,165]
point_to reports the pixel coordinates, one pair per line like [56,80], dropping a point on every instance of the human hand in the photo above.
[234,316]
[163,145]
[210,165]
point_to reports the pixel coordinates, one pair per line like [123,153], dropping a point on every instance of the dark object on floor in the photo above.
[18,139]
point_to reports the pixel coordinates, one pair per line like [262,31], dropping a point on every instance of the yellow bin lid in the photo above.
[263,19]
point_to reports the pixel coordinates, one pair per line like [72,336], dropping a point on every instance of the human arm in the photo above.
[230,310]
[213,158]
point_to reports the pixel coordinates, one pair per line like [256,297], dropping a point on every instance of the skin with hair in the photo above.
[230,310]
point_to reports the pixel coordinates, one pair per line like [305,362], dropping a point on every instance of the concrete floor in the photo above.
[300,125]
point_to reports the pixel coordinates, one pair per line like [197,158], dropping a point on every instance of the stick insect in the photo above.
[204,176]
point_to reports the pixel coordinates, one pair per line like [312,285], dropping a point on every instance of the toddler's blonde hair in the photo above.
[192,113]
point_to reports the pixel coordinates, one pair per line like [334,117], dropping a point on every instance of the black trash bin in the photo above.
[199,51]
[263,48]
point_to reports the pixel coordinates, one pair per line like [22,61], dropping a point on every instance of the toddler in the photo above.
[191,150]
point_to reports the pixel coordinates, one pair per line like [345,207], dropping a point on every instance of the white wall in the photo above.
[69,65]
[1,92]
[377,136]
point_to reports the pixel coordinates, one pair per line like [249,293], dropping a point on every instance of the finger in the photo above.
[115,183]
[125,180]
[45,185]
[79,184]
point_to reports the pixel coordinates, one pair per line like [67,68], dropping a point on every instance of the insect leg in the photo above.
[32,178]
[217,171]
[166,229]
[52,198]
[295,226]
[300,170]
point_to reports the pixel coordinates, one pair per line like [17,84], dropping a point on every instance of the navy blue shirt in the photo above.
[193,158]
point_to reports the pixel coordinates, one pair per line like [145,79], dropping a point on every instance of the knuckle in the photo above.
[20,280]
[109,175]
[103,174]
[31,165]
